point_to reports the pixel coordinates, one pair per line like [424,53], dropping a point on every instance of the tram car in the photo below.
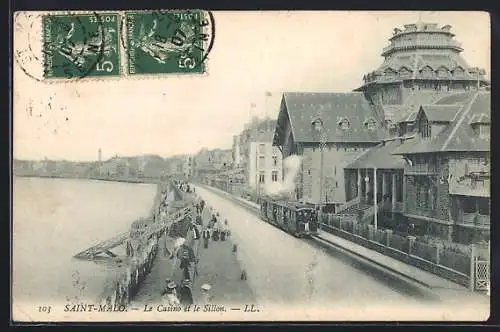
[298,219]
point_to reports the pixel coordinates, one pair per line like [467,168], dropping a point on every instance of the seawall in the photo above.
[123,285]
[97,178]
[121,289]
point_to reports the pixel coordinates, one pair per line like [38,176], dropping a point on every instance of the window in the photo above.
[274,176]
[262,162]
[262,148]
[317,124]
[262,177]
[275,161]
[424,127]
[426,195]
[344,124]
[434,195]
[484,131]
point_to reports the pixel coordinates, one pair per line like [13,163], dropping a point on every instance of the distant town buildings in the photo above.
[188,167]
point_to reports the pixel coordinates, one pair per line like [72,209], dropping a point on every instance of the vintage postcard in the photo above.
[189,165]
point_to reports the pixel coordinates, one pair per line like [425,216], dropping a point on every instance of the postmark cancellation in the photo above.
[166,41]
[68,46]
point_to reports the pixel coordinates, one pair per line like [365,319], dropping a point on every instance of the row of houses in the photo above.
[414,147]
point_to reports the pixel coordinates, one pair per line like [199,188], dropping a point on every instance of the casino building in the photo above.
[395,144]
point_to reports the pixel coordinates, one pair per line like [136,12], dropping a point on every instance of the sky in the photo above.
[253,53]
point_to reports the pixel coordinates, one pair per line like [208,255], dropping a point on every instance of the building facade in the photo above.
[328,130]
[187,167]
[258,130]
[265,165]
[447,177]
[422,91]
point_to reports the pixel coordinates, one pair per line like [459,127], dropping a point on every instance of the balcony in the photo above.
[470,187]
[475,220]
[422,169]
[398,45]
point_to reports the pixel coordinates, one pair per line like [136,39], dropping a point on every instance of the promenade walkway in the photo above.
[217,266]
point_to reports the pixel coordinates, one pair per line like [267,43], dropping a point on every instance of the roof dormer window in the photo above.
[484,131]
[317,124]
[344,124]
[459,71]
[370,124]
[481,125]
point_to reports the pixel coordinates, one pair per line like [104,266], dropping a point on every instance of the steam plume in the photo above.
[285,188]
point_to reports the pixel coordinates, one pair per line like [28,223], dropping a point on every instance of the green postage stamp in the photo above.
[80,45]
[167,41]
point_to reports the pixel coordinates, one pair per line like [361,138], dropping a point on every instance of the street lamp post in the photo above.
[375,204]
[322,176]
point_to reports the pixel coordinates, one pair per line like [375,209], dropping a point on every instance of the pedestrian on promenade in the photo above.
[206,237]
[170,293]
[199,220]
[166,251]
[215,233]
[224,230]
[213,221]
[185,294]
[186,256]
[205,297]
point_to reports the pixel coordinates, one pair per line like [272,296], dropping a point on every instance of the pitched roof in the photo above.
[459,135]
[480,119]
[456,98]
[400,113]
[440,113]
[380,156]
[332,108]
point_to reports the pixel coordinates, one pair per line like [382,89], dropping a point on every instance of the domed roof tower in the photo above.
[421,64]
